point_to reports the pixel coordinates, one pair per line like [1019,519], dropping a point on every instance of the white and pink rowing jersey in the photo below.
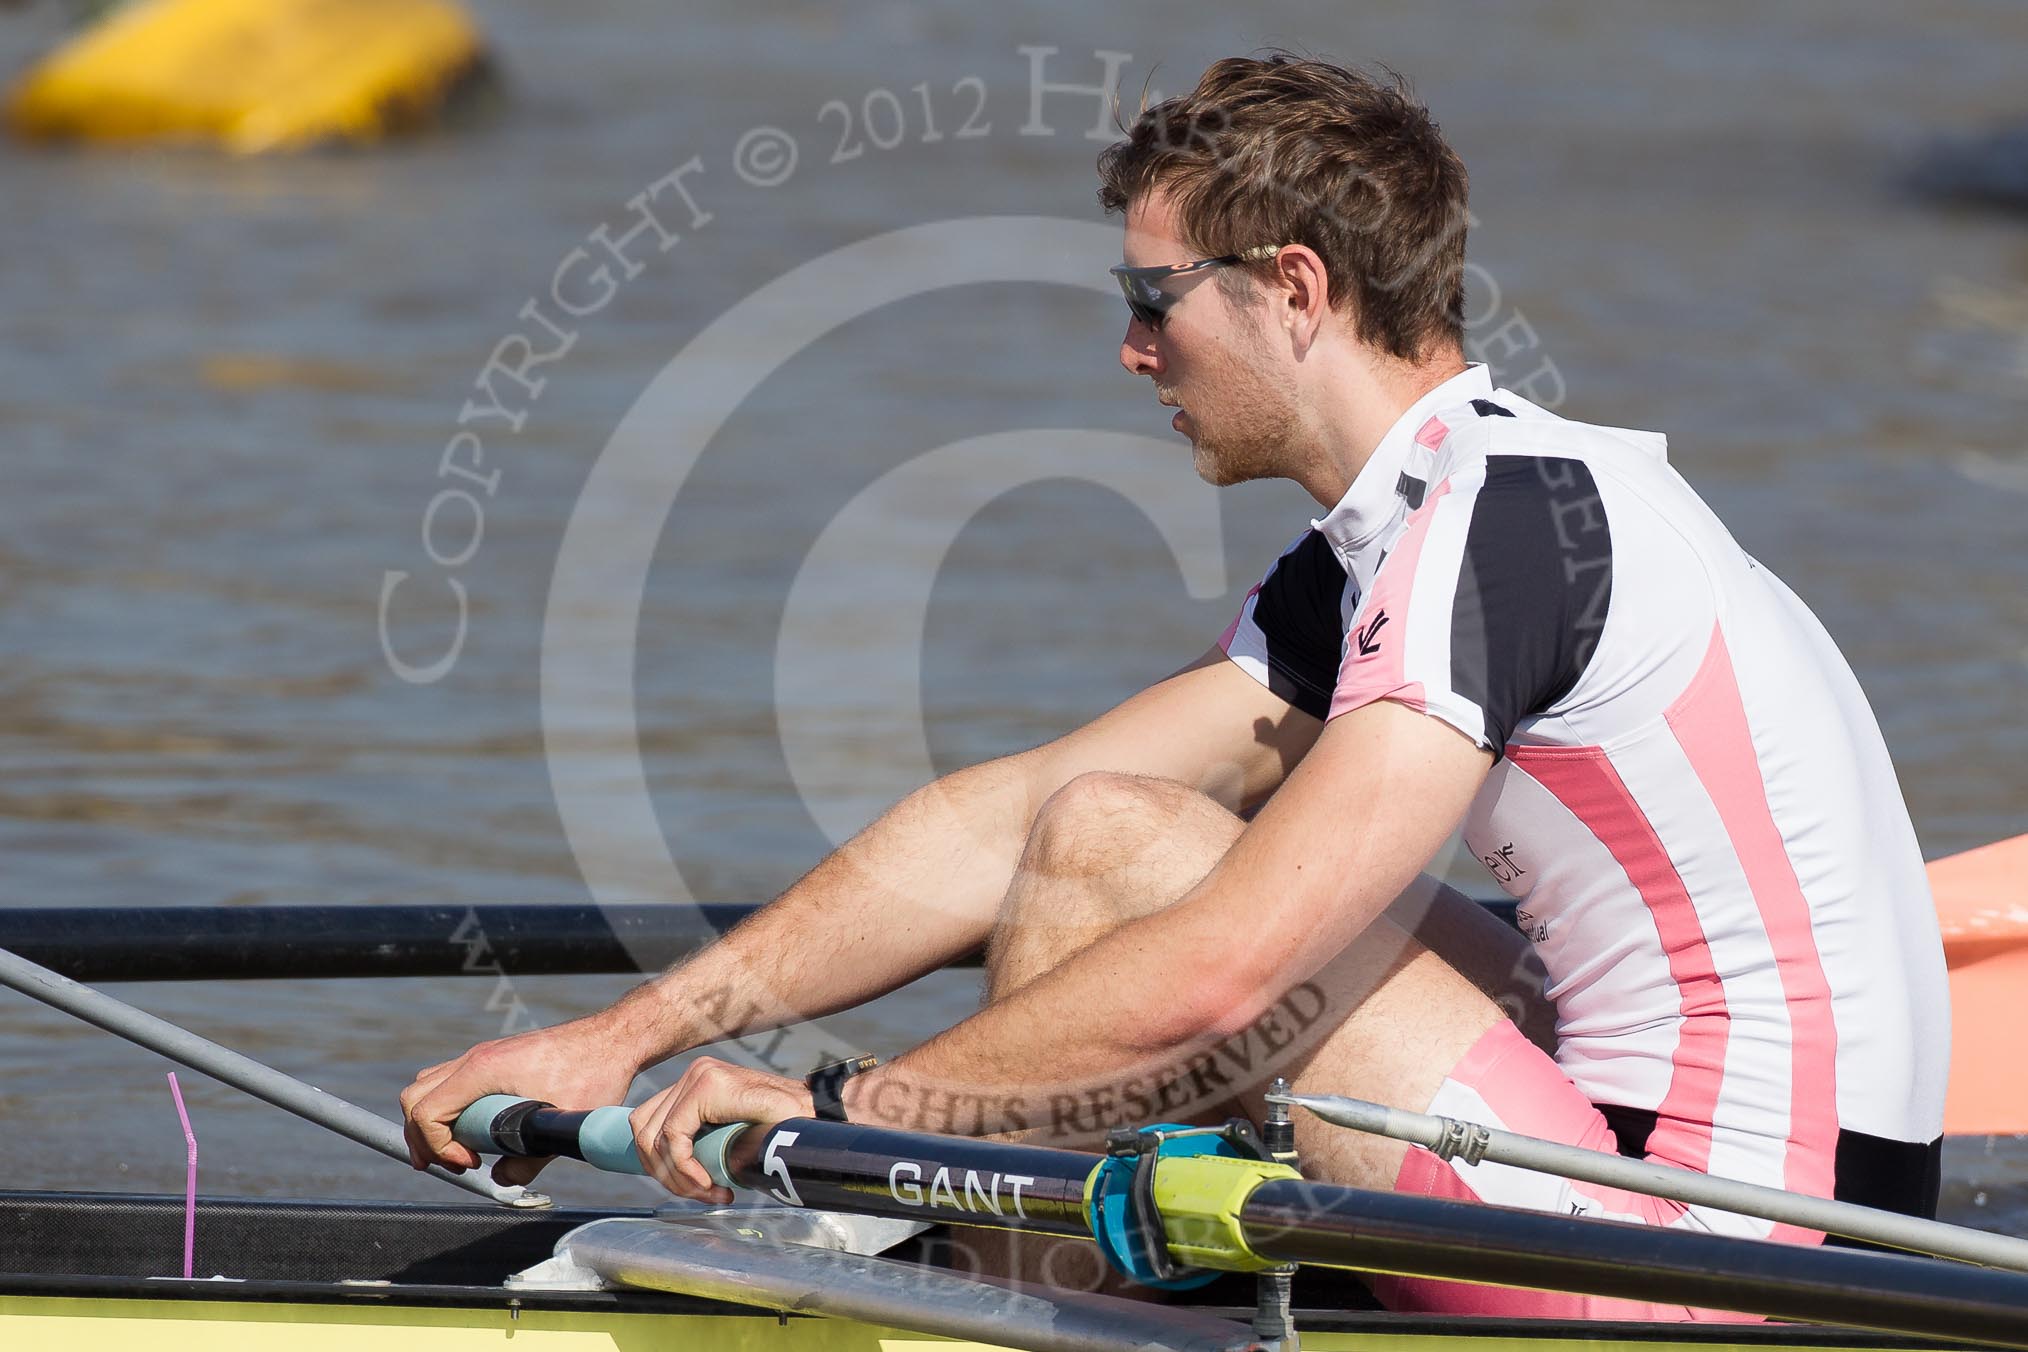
[1692,803]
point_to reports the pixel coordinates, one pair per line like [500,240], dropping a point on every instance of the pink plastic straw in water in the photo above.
[189,1179]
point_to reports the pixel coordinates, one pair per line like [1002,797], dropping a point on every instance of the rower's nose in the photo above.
[1140,349]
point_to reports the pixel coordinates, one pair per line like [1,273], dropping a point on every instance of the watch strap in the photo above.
[827,1085]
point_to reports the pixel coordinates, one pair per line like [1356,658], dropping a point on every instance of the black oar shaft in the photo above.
[843,1166]
[226,943]
[205,943]
[1391,1232]
[872,1170]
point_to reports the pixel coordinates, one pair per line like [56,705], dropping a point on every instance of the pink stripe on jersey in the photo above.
[1376,652]
[1583,780]
[1225,639]
[1432,433]
[1709,720]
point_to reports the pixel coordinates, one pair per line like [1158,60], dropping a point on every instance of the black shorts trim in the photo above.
[1875,1171]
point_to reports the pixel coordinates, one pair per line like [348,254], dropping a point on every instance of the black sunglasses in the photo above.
[1150,303]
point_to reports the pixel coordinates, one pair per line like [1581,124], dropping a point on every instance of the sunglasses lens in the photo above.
[1147,302]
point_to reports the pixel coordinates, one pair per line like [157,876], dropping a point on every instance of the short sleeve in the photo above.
[1490,606]
[1290,633]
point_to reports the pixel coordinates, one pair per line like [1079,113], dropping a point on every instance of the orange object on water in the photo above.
[1982,905]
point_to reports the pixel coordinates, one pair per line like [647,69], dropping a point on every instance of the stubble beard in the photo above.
[1253,431]
[1250,439]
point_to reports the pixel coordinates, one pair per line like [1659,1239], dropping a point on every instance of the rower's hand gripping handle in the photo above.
[501,1124]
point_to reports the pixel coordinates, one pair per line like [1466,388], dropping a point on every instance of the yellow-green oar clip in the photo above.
[1200,1197]
[1178,1190]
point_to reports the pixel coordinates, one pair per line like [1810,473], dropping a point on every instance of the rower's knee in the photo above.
[1104,850]
[1102,822]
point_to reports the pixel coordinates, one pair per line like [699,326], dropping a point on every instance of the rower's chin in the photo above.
[1206,464]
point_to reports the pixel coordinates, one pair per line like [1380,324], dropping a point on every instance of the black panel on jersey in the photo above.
[1533,588]
[1298,612]
[1486,408]
[1904,1176]
[1631,1128]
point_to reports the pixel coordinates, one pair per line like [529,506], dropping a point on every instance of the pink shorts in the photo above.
[1507,1082]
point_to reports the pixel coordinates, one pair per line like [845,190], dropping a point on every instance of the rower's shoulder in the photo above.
[1504,424]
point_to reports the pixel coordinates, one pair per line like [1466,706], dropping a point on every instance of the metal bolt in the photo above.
[1278,1132]
[1273,1322]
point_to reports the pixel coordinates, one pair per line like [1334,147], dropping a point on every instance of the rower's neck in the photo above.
[1365,398]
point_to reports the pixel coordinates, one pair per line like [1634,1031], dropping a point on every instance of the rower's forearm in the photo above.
[914,890]
[1106,1025]
[1136,1010]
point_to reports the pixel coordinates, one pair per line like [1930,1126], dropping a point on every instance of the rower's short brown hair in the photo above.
[1285,150]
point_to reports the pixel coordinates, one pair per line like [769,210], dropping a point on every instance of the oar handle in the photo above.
[501,1124]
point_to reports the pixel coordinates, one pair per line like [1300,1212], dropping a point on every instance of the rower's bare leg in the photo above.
[1487,951]
[1105,849]
[1385,1021]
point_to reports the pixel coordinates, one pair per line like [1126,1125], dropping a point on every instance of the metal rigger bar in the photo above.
[1450,1137]
[241,1072]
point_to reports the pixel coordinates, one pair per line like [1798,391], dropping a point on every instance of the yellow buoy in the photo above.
[253,75]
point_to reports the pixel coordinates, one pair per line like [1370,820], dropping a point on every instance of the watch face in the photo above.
[846,1067]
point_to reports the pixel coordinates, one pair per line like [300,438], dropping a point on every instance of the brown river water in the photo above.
[230,386]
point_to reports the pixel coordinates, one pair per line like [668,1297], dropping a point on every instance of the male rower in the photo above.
[1503,622]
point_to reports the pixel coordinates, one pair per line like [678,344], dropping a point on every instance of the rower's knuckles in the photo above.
[416,1158]
[645,1120]
[708,1071]
[418,1090]
[663,1145]
[664,1127]
[672,1180]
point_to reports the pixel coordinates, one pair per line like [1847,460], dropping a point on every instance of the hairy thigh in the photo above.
[1105,849]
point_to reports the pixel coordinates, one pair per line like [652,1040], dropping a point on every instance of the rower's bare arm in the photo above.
[1210,726]
[1356,822]
[915,889]
[923,884]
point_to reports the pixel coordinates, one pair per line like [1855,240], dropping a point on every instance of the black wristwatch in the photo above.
[827,1085]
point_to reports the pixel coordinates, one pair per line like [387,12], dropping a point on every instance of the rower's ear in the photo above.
[1302,293]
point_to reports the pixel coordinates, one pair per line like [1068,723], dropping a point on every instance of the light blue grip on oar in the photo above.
[603,1137]
[607,1139]
[710,1150]
[474,1127]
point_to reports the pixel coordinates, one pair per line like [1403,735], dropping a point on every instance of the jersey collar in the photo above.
[1382,489]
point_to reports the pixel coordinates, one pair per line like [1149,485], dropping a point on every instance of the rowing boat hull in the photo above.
[77,1274]
[112,1324]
